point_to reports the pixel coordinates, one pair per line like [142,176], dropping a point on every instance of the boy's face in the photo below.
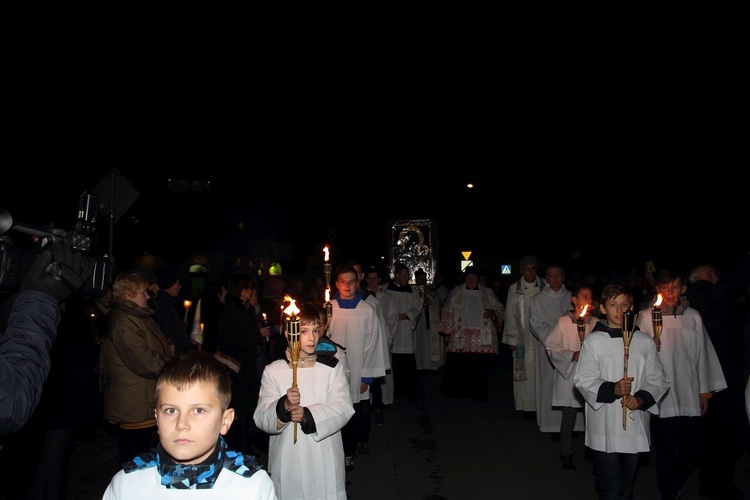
[190,421]
[671,292]
[373,280]
[613,309]
[582,298]
[347,284]
[309,335]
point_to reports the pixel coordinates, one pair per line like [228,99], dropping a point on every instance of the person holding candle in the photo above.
[694,373]
[355,326]
[313,466]
[563,346]
[599,379]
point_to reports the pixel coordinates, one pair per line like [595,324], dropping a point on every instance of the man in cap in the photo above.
[468,325]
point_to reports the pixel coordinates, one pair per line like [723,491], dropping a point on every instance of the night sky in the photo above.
[629,167]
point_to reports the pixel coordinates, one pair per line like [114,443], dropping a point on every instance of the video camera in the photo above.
[16,261]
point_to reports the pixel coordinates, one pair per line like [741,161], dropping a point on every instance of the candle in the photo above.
[582,323]
[657,321]
[187,304]
[264,323]
[292,330]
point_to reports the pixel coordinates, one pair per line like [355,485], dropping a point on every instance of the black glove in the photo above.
[58,271]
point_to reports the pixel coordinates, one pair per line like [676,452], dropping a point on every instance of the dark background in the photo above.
[627,155]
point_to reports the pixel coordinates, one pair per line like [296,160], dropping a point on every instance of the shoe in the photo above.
[349,464]
[567,462]
[363,449]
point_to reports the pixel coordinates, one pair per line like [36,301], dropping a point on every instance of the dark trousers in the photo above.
[615,474]
[132,442]
[357,429]
[677,443]
[567,424]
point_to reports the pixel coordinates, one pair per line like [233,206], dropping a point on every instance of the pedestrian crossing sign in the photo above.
[505,269]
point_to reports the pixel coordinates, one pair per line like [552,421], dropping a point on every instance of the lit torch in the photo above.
[628,325]
[292,331]
[582,323]
[656,320]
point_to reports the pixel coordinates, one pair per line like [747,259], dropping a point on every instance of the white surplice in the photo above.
[314,466]
[602,360]
[546,308]
[359,332]
[689,360]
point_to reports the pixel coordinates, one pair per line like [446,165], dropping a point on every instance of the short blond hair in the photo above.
[130,283]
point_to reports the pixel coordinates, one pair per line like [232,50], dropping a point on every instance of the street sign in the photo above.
[116,195]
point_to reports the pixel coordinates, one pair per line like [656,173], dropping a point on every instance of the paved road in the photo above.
[437,448]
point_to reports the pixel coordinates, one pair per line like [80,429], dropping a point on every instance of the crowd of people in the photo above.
[580,358]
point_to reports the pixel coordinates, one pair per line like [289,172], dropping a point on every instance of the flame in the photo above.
[328,294]
[658,300]
[292,310]
[583,311]
[264,316]
[325,252]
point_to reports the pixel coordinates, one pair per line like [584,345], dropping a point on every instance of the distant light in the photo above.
[275,269]
[470,185]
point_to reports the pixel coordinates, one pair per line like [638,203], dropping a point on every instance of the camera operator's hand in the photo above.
[58,271]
